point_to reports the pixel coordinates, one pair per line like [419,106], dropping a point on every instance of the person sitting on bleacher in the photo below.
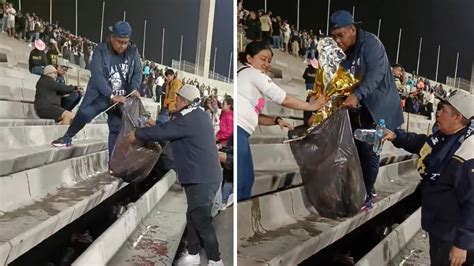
[68,101]
[116,71]
[38,59]
[48,98]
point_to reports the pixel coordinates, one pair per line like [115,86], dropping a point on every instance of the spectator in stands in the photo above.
[159,81]
[286,35]
[276,34]
[116,71]
[143,88]
[226,121]
[3,17]
[253,87]
[198,170]
[146,70]
[309,74]
[253,27]
[172,87]
[11,13]
[52,55]
[266,27]
[48,97]
[376,92]
[226,157]
[37,60]
[397,73]
[446,166]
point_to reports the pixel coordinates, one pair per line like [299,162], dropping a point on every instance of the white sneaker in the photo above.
[230,200]
[188,259]
[215,263]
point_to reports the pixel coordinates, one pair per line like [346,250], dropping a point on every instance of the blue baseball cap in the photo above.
[121,29]
[341,19]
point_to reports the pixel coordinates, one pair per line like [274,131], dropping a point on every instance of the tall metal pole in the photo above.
[124,15]
[144,39]
[19,5]
[214,64]
[437,63]
[102,22]
[76,17]
[378,30]
[265,7]
[456,69]
[398,48]
[230,66]
[353,12]
[50,12]
[327,23]
[198,63]
[298,16]
[181,52]
[162,46]
[419,56]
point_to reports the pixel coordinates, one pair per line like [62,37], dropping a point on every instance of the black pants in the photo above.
[439,252]
[199,220]
[369,160]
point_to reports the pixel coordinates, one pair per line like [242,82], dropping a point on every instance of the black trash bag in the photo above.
[330,167]
[133,162]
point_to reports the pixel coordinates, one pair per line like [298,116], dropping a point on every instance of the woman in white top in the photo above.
[253,87]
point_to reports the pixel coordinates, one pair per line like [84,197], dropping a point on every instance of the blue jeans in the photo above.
[309,86]
[38,70]
[277,42]
[310,51]
[245,175]
[227,189]
[87,112]
[163,116]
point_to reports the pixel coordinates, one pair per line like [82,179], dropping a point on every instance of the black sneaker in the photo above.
[64,141]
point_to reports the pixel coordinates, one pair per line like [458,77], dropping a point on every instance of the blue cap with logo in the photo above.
[341,19]
[121,29]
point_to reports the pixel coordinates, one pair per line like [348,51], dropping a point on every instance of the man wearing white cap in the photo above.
[197,166]
[446,165]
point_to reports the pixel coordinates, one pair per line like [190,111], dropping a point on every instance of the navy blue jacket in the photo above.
[447,210]
[377,91]
[98,87]
[193,143]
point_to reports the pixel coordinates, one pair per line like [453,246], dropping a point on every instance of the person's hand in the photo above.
[457,256]
[131,137]
[388,135]
[351,102]
[282,123]
[119,99]
[150,122]
[319,103]
[135,93]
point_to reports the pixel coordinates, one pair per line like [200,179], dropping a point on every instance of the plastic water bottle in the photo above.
[378,144]
[365,135]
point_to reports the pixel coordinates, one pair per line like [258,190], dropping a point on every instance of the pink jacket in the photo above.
[226,127]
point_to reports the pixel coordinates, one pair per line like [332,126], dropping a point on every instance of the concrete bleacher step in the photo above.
[149,232]
[283,228]
[27,147]
[41,201]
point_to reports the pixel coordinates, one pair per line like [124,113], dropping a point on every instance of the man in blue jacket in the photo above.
[116,71]
[197,166]
[446,166]
[375,97]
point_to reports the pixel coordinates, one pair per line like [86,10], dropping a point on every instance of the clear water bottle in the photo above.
[365,135]
[378,144]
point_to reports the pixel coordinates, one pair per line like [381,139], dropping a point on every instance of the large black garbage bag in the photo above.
[133,162]
[330,167]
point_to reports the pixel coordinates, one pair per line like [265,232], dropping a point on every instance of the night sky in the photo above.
[178,17]
[439,22]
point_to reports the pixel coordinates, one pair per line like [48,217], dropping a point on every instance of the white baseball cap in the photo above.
[462,101]
[189,92]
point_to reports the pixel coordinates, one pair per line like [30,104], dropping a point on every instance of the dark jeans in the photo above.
[86,113]
[439,252]
[245,174]
[69,102]
[369,160]
[199,226]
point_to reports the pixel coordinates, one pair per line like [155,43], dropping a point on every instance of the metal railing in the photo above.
[189,67]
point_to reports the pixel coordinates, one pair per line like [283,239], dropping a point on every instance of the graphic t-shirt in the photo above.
[118,79]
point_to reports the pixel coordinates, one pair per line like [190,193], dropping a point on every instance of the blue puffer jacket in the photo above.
[447,209]
[368,61]
[98,87]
